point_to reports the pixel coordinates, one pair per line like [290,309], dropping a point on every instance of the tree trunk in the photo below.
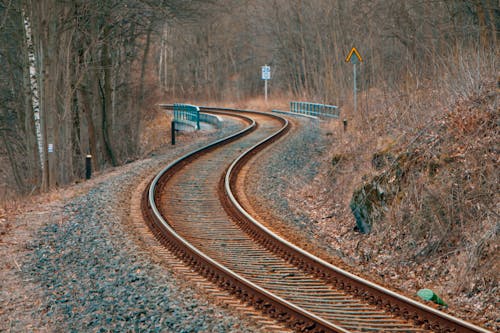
[13,162]
[494,19]
[32,117]
[87,111]
[144,62]
[106,92]
[483,28]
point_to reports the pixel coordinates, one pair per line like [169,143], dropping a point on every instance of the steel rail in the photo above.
[261,298]
[376,294]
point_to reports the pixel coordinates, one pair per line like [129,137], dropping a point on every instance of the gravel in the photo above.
[285,170]
[92,276]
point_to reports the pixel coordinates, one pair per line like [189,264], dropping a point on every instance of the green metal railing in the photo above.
[187,112]
[315,109]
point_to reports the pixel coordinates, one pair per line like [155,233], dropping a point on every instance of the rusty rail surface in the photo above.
[240,255]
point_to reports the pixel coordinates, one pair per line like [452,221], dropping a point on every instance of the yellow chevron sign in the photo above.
[357,57]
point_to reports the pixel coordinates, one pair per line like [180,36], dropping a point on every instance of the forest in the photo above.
[77,75]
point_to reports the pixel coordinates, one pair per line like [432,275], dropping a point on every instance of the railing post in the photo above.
[173,132]
[197,110]
[88,167]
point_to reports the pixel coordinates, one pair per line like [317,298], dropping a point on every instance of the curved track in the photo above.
[191,208]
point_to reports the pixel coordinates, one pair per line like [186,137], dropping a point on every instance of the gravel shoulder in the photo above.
[70,265]
[272,182]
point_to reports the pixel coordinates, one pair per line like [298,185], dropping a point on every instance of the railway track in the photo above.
[192,208]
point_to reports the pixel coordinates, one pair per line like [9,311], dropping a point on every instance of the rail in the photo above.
[211,269]
[315,109]
[372,292]
[299,318]
[211,119]
[187,113]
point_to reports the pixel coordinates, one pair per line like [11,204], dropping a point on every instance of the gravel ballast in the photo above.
[283,170]
[80,272]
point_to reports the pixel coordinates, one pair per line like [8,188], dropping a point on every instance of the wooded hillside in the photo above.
[77,74]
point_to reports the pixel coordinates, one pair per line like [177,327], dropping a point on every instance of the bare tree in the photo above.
[77,72]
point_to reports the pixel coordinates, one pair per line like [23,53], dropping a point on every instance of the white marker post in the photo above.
[354,60]
[266,75]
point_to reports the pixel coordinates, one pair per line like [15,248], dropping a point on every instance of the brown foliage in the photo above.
[445,204]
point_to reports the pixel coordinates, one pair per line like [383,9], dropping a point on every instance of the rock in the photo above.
[367,205]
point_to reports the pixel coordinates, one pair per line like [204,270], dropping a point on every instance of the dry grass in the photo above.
[7,186]
[257,103]
[155,130]
[435,154]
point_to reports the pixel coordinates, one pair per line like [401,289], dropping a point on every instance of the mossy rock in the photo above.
[367,205]
[362,216]
[370,202]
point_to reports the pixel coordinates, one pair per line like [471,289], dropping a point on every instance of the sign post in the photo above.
[265,90]
[266,75]
[354,58]
[172,130]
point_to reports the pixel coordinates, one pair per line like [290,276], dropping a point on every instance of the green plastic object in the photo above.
[429,295]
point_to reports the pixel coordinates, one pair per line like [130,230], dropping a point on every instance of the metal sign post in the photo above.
[354,62]
[172,132]
[265,90]
[354,58]
[266,75]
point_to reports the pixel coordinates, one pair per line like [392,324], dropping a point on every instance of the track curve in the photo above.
[194,212]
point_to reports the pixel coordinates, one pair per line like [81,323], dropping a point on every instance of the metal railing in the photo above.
[187,113]
[211,119]
[315,109]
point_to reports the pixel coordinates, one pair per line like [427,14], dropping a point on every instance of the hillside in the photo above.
[419,211]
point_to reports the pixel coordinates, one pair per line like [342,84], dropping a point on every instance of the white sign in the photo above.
[50,148]
[266,72]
